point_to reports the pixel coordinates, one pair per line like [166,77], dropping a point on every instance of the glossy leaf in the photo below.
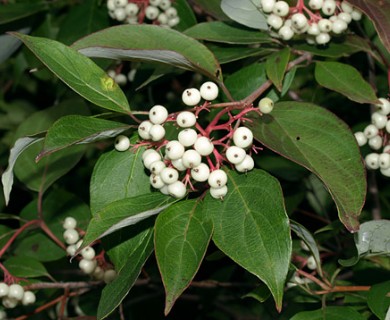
[79,72]
[7,178]
[143,43]
[379,13]
[346,80]
[87,17]
[182,235]
[217,31]
[246,12]
[276,66]
[373,238]
[16,11]
[379,299]
[125,212]
[307,134]
[25,267]
[75,129]
[309,240]
[252,228]
[116,291]
[329,313]
[118,175]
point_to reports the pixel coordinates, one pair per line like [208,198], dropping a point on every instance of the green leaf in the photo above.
[346,80]
[252,227]
[79,72]
[226,54]
[316,139]
[15,11]
[118,175]
[217,31]
[75,129]
[143,43]
[116,291]
[213,8]
[309,240]
[246,12]
[187,16]
[182,235]
[9,44]
[87,17]
[373,238]
[379,299]
[379,13]
[125,212]
[329,313]
[25,267]
[276,66]
[7,178]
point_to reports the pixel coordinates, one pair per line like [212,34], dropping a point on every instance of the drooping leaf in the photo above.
[143,43]
[125,212]
[217,31]
[379,13]
[116,291]
[309,240]
[379,299]
[75,129]
[373,238]
[252,227]
[79,72]
[276,66]
[329,313]
[87,17]
[182,235]
[316,139]
[15,11]
[346,80]
[118,175]
[25,267]
[7,178]
[246,12]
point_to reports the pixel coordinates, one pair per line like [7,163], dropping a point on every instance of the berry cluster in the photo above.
[194,156]
[319,20]
[14,294]
[377,136]
[118,77]
[159,12]
[89,262]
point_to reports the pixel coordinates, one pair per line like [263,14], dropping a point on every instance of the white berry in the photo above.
[71,236]
[375,142]
[144,129]
[111,5]
[267,5]
[71,250]
[150,158]
[299,20]
[286,33]
[385,172]
[219,193]
[151,12]
[165,4]
[174,150]
[69,223]
[173,21]
[16,291]
[10,303]
[200,173]
[191,97]
[171,12]
[339,26]
[209,91]
[384,160]
[383,107]
[360,138]
[98,273]
[88,253]
[322,38]
[87,266]
[370,131]
[356,15]
[314,30]
[325,25]
[316,4]
[346,17]
[243,137]
[177,189]
[204,146]
[186,119]
[329,7]
[109,275]
[379,120]
[178,164]
[156,181]
[372,161]
[120,78]
[169,175]
[122,143]
[154,2]
[346,7]
[120,3]
[245,165]
[191,158]
[187,137]
[266,105]
[162,18]
[156,167]
[235,154]
[217,179]
[131,9]
[311,263]
[281,8]
[28,298]
[275,21]
[157,132]
[158,114]
[4,289]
